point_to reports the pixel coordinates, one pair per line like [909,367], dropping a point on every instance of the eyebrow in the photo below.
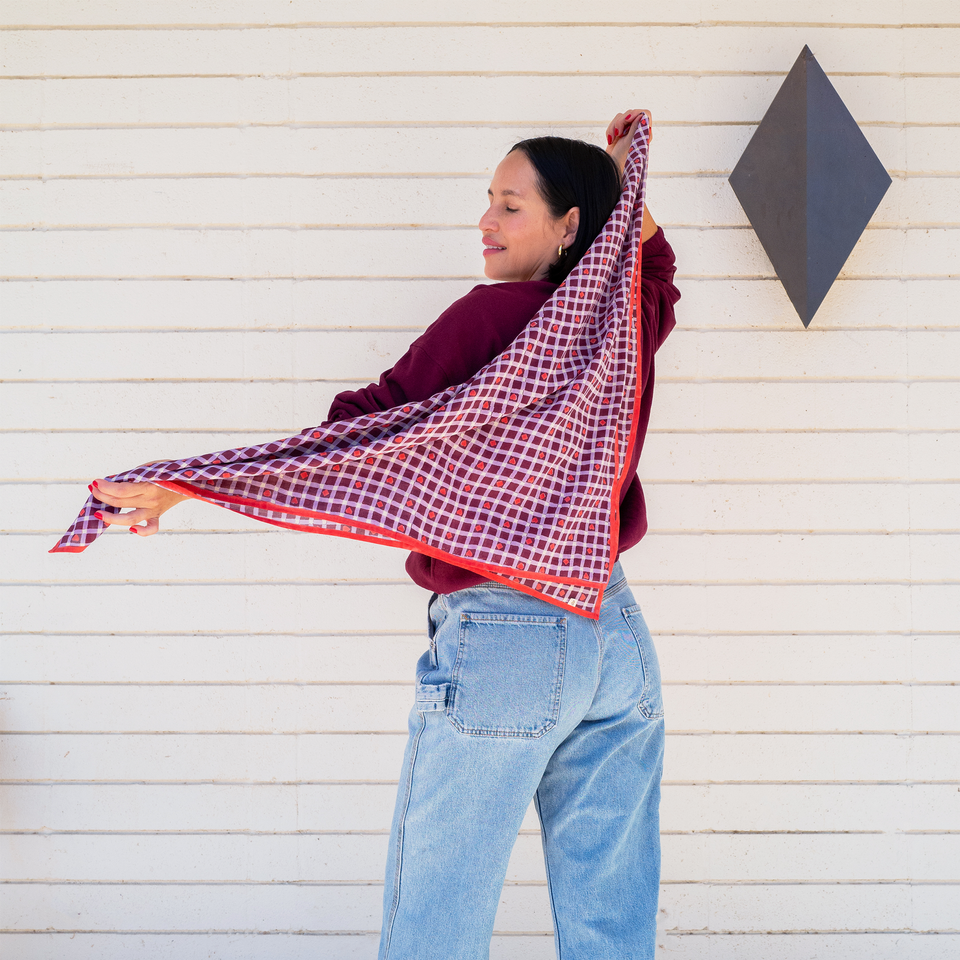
[512,193]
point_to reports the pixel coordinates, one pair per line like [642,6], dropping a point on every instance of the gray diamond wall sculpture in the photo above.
[809,183]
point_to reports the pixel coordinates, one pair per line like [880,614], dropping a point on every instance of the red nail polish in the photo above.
[97,485]
[628,118]
[90,487]
[133,529]
[609,139]
[616,132]
[98,515]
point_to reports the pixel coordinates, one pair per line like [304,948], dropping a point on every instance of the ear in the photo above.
[571,223]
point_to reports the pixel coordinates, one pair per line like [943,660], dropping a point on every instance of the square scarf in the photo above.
[515,474]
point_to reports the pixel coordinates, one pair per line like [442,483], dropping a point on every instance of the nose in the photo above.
[488,223]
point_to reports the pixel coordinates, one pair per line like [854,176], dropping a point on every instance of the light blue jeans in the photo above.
[520,700]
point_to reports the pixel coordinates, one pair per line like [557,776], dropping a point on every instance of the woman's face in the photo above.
[520,236]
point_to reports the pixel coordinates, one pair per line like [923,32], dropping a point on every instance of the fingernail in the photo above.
[628,118]
[98,515]
[609,140]
[90,487]
[97,485]
[616,132]
[133,529]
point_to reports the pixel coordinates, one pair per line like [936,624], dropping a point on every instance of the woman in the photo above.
[515,701]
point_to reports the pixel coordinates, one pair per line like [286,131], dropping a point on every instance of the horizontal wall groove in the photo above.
[431,124]
[212,931]
[198,278]
[297,932]
[249,228]
[268,732]
[832,932]
[389,124]
[663,379]
[44,832]
[47,832]
[647,481]
[477,278]
[361,329]
[458,23]
[396,226]
[841,882]
[480,175]
[406,227]
[330,175]
[500,74]
[406,683]
[305,329]
[419,633]
[778,431]
[307,581]
[653,531]
[230,783]
[473,277]
[51,784]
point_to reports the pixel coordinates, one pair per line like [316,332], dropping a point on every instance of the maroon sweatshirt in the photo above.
[480,326]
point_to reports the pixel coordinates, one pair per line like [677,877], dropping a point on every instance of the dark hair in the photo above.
[572,173]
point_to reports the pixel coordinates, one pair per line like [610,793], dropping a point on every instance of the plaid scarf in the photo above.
[515,474]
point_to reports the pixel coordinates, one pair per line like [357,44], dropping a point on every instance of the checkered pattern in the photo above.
[515,474]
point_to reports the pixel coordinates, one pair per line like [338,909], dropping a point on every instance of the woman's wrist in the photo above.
[649,226]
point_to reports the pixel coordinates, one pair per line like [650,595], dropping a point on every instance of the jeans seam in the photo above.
[646,713]
[557,946]
[598,633]
[395,905]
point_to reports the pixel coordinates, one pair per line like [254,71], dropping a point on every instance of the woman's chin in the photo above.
[499,271]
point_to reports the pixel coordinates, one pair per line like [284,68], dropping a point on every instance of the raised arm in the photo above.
[620,133]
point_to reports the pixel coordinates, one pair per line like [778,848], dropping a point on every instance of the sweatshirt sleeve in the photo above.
[415,376]
[466,336]
[658,293]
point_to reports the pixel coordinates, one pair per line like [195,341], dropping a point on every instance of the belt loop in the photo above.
[431,630]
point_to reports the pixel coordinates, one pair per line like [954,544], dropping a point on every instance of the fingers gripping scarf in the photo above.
[515,474]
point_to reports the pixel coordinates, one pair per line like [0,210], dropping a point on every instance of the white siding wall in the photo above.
[217,215]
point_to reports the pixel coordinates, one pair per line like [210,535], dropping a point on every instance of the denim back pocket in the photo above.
[651,700]
[508,675]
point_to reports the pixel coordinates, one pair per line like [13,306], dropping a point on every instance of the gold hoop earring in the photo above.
[560,251]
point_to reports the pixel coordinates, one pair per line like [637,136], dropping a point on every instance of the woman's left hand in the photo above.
[620,133]
[148,503]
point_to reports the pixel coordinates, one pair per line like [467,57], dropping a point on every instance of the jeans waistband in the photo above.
[618,580]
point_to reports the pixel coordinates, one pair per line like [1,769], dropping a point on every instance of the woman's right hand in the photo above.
[619,137]
[147,501]
[620,133]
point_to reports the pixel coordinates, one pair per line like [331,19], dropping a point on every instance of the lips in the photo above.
[491,247]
